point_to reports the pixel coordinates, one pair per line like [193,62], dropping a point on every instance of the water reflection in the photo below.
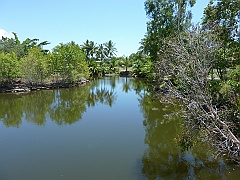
[68,105]
[161,159]
[164,160]
[11,110]
[63,106]
[126,85]
[35,106]
[102,96]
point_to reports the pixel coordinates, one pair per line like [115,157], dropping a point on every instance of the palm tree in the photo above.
[92,48]
[85,48]
[100,52]
[31,43]
[89,48]
[110,49]
[113,66]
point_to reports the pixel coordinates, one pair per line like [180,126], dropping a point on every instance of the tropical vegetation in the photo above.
[28,62]
[196,67]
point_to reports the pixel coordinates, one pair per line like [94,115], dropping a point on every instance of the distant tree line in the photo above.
[102,59]
[30,62]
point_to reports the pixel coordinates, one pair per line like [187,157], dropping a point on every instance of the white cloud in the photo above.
[5,34]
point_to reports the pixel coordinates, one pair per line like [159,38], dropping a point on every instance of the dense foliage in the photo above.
[9,66]
[32,64]
[69,62]
[101,58]
[166,17]
[198,67]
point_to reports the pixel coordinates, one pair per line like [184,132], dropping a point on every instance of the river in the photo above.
[110,129]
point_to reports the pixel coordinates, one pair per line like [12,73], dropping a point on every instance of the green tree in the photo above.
[125,62]
[32,43]
[166,18]
[95,68]
[100,53]
[9,67]
[86,49]
[183,73]
[142,65]
[34,66]
[90,49]
[113,66]
[70,62]
[222,17]
[9,45]
[110,50]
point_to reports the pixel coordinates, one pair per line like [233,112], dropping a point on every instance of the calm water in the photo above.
[108,129]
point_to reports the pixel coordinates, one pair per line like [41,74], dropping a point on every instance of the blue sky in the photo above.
[61,21]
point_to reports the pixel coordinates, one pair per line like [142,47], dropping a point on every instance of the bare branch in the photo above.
[185,64]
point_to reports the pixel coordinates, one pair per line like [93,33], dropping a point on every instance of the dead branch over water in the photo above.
[185,72]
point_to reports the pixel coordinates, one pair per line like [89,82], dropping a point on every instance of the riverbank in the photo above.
[19,86]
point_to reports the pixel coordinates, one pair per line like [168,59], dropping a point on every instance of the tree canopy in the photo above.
[198,70]
[166,17]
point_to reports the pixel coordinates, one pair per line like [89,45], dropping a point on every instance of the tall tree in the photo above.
[70,62]
[34,66]
[9,45]
[86,50]
[12,45]
[9,67]
[32,43]
[110,50]
[183,76]
[92,48]
[101,54]
[89,48]
[166,18]
[222,17]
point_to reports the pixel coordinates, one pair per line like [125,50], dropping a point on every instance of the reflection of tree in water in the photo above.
[29,106]
[37,105]
[163,159]
[64,106]
[69,104]
[126,85]
[139,86]
[113,82]
[101,94]
[32,107]
[11,110]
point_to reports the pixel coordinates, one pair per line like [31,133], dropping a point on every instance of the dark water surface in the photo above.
[110,129]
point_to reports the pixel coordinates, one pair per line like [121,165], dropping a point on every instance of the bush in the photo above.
[9,67]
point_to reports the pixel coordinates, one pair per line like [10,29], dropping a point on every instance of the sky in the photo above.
[62,21]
